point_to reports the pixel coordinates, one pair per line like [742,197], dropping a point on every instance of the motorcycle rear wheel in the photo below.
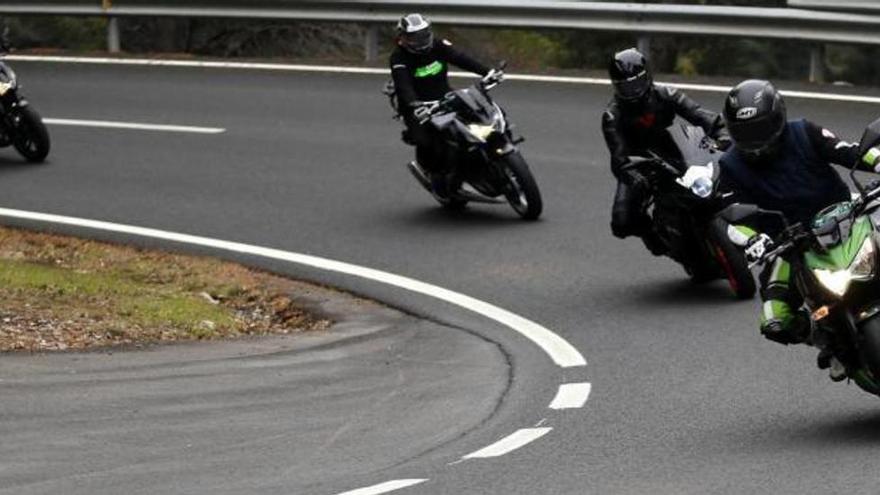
[524,196]
[31,137]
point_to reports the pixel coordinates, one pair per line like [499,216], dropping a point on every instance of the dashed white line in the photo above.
[388,486]
[509,443]
[135,126]
[571,396]
[557,348]
[375,71]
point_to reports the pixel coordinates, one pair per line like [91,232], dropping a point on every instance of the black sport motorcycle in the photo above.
[20,125]
[487,158]
[835,267]
[683,205]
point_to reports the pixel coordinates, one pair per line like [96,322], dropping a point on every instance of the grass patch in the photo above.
[63,293]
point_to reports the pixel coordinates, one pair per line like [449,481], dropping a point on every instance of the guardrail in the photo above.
[642,19]
[839,5]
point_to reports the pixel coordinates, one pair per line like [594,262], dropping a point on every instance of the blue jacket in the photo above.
[799,182]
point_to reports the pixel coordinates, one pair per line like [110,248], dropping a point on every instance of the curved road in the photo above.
[687,398]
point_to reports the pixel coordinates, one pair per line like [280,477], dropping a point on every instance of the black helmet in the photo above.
[755,115]
[414,33]
[630,75]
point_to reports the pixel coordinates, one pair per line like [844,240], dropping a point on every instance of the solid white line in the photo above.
[386,487]
[559,350]
[376,71]
[135,126]
[509,443]
[571,396]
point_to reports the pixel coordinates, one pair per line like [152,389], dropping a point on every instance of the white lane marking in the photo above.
[559,350]
[135,126]
[375,71]
[388,486]
[571,396]
[509,443]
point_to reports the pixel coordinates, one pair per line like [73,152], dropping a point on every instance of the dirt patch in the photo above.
[59,293]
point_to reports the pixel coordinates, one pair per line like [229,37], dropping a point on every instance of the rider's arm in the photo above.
[403,82]
[688,109]
[615,140]
[833,149]
[461,59]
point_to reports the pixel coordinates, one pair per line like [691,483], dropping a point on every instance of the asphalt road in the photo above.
[687,398]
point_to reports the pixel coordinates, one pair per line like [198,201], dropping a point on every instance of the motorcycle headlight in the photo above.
[5,87]
[702,187]
[836,282]
[862,268]
[481,132]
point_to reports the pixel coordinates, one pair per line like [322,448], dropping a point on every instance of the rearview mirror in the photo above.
[870,138]
[738,212]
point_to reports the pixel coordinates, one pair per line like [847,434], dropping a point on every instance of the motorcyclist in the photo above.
[636,121]
[419,67]
[783,165]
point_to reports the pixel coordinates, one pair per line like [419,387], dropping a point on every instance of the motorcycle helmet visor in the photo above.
[419,41]
[757,135]
[632,88]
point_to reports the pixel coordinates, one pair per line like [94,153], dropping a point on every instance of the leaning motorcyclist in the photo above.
[785,166]
[636,121]
[419,67]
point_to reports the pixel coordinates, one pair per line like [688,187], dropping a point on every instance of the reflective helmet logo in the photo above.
[746,113]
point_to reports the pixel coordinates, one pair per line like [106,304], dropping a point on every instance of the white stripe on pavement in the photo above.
[559,350]
[571,396]
[386,487]
[135,126]
[509,443]
[376,71]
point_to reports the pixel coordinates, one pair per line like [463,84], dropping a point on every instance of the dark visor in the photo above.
[757,134]
[419,40]
[632,88]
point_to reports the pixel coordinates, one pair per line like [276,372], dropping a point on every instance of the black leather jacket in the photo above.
[424,76]
[629,129]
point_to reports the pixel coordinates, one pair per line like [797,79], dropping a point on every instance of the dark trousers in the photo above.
[628,213]
[431,151]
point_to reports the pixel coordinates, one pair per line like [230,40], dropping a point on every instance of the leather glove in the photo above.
[757,247]
[636,180]
[421,111]
[496,75]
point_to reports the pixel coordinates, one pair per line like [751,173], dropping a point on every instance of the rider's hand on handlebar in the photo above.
[636,180]
[421,110]
[495,75]
[757,247]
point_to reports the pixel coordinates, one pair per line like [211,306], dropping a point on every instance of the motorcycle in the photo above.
[491,167]
[20,125]
[834,267]
[683,205]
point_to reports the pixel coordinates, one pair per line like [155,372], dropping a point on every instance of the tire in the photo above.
[869,347]
[733,263]
[32,138]
[523,194]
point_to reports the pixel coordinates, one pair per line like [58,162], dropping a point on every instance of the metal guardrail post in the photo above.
[817,63]
[371,43]
[113,45]
[644,45]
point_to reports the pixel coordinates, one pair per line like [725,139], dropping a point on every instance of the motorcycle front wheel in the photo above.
[522,194]
[31,137]
[869,347]
[733,263]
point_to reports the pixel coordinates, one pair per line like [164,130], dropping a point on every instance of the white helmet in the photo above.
[415,34]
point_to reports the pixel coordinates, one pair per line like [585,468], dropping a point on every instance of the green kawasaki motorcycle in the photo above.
[834,265]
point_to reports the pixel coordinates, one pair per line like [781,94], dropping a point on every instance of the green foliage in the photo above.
[75,33]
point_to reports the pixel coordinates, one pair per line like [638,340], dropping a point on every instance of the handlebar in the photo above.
[427,109]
